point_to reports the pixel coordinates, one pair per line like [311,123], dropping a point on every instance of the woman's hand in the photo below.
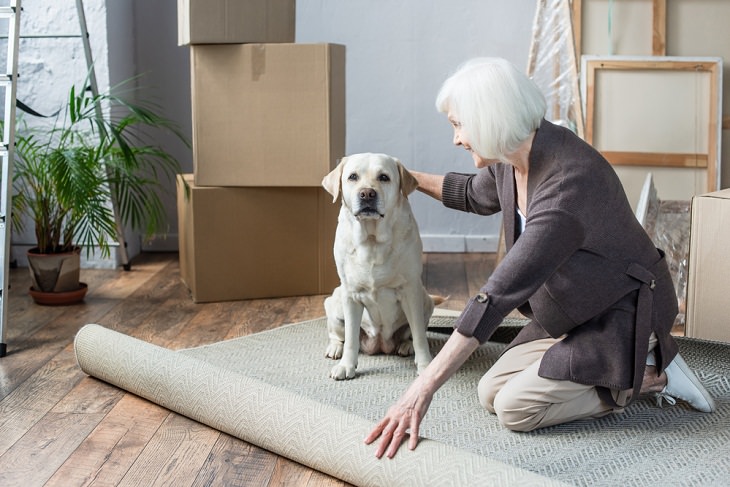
[429,184]
[406,415]
[403,416]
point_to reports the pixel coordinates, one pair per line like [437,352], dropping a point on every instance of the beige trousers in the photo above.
[524,401]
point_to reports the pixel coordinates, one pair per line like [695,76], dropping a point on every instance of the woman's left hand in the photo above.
[403,416]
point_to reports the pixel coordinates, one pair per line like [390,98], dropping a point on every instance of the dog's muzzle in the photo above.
[368,204]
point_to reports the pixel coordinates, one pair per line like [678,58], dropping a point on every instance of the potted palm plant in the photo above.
[66,175]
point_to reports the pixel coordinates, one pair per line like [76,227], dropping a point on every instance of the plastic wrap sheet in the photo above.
[668,225]
[552,64]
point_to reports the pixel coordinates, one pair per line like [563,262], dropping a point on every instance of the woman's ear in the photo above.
[333,181]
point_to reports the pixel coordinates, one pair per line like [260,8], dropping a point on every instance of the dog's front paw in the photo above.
[343,371]
[406,348]
[422,363]
[334,349]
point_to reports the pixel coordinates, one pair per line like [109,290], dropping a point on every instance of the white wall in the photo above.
[398,54]
[50,60]
[165,78]
[48,66]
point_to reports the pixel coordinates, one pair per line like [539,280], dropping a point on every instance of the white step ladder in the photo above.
[9,82]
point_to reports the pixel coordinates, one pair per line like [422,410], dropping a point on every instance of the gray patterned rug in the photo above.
[645,445]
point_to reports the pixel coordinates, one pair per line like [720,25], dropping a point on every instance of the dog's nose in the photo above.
[367,194]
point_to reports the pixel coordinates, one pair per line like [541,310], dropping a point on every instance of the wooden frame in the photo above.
[709,159]
[659,27]
[659,34]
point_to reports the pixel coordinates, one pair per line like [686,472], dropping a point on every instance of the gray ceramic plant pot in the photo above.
[55,277]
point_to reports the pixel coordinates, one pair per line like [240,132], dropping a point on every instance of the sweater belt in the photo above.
[643,325]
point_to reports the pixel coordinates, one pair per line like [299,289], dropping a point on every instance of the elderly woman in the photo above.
[598,293]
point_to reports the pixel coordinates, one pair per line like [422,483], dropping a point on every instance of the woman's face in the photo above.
[461,139]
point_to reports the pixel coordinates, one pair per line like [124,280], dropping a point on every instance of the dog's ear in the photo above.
[408,183]
[333,180]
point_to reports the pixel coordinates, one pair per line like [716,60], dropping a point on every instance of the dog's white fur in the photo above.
[381,304]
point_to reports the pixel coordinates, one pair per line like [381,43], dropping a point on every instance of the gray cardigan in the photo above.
[583,266]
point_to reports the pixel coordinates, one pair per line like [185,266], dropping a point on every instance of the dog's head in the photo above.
[370,184]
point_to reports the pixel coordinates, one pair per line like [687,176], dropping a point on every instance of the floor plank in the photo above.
[23,408]
[34,458]
[477,269]
[174,455]
[31,345]
[235,463]
[287,472]
[113,446]
[446,277]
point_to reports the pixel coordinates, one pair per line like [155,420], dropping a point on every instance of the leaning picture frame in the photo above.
[656,112]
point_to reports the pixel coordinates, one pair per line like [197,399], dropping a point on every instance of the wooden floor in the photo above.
[60,427]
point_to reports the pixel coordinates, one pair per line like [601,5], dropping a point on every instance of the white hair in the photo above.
[497,105]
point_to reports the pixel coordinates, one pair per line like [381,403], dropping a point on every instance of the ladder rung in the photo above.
[7,11]
[45,36]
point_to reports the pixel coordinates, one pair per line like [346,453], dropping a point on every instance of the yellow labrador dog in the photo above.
[381,305]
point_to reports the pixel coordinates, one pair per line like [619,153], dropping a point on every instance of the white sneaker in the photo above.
[683,384]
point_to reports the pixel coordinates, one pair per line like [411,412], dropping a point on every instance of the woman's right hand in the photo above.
[405,416]
[429,184]
[402,418]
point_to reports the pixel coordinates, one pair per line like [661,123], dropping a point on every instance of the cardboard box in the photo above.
[267,114]
[708,284]
[245,243]
[235,21]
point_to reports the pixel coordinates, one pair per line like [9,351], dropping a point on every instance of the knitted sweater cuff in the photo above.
[479,319]
[453,190]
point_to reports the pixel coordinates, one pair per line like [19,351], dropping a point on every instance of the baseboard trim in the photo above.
[169,243]
[460,243]
[18,255]
[162,243]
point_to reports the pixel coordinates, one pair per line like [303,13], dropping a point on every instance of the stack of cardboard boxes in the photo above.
[268,124]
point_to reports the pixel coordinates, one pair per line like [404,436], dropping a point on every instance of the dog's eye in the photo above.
[383,178]
[352,177]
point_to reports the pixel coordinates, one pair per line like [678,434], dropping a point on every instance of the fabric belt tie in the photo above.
[644,308]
